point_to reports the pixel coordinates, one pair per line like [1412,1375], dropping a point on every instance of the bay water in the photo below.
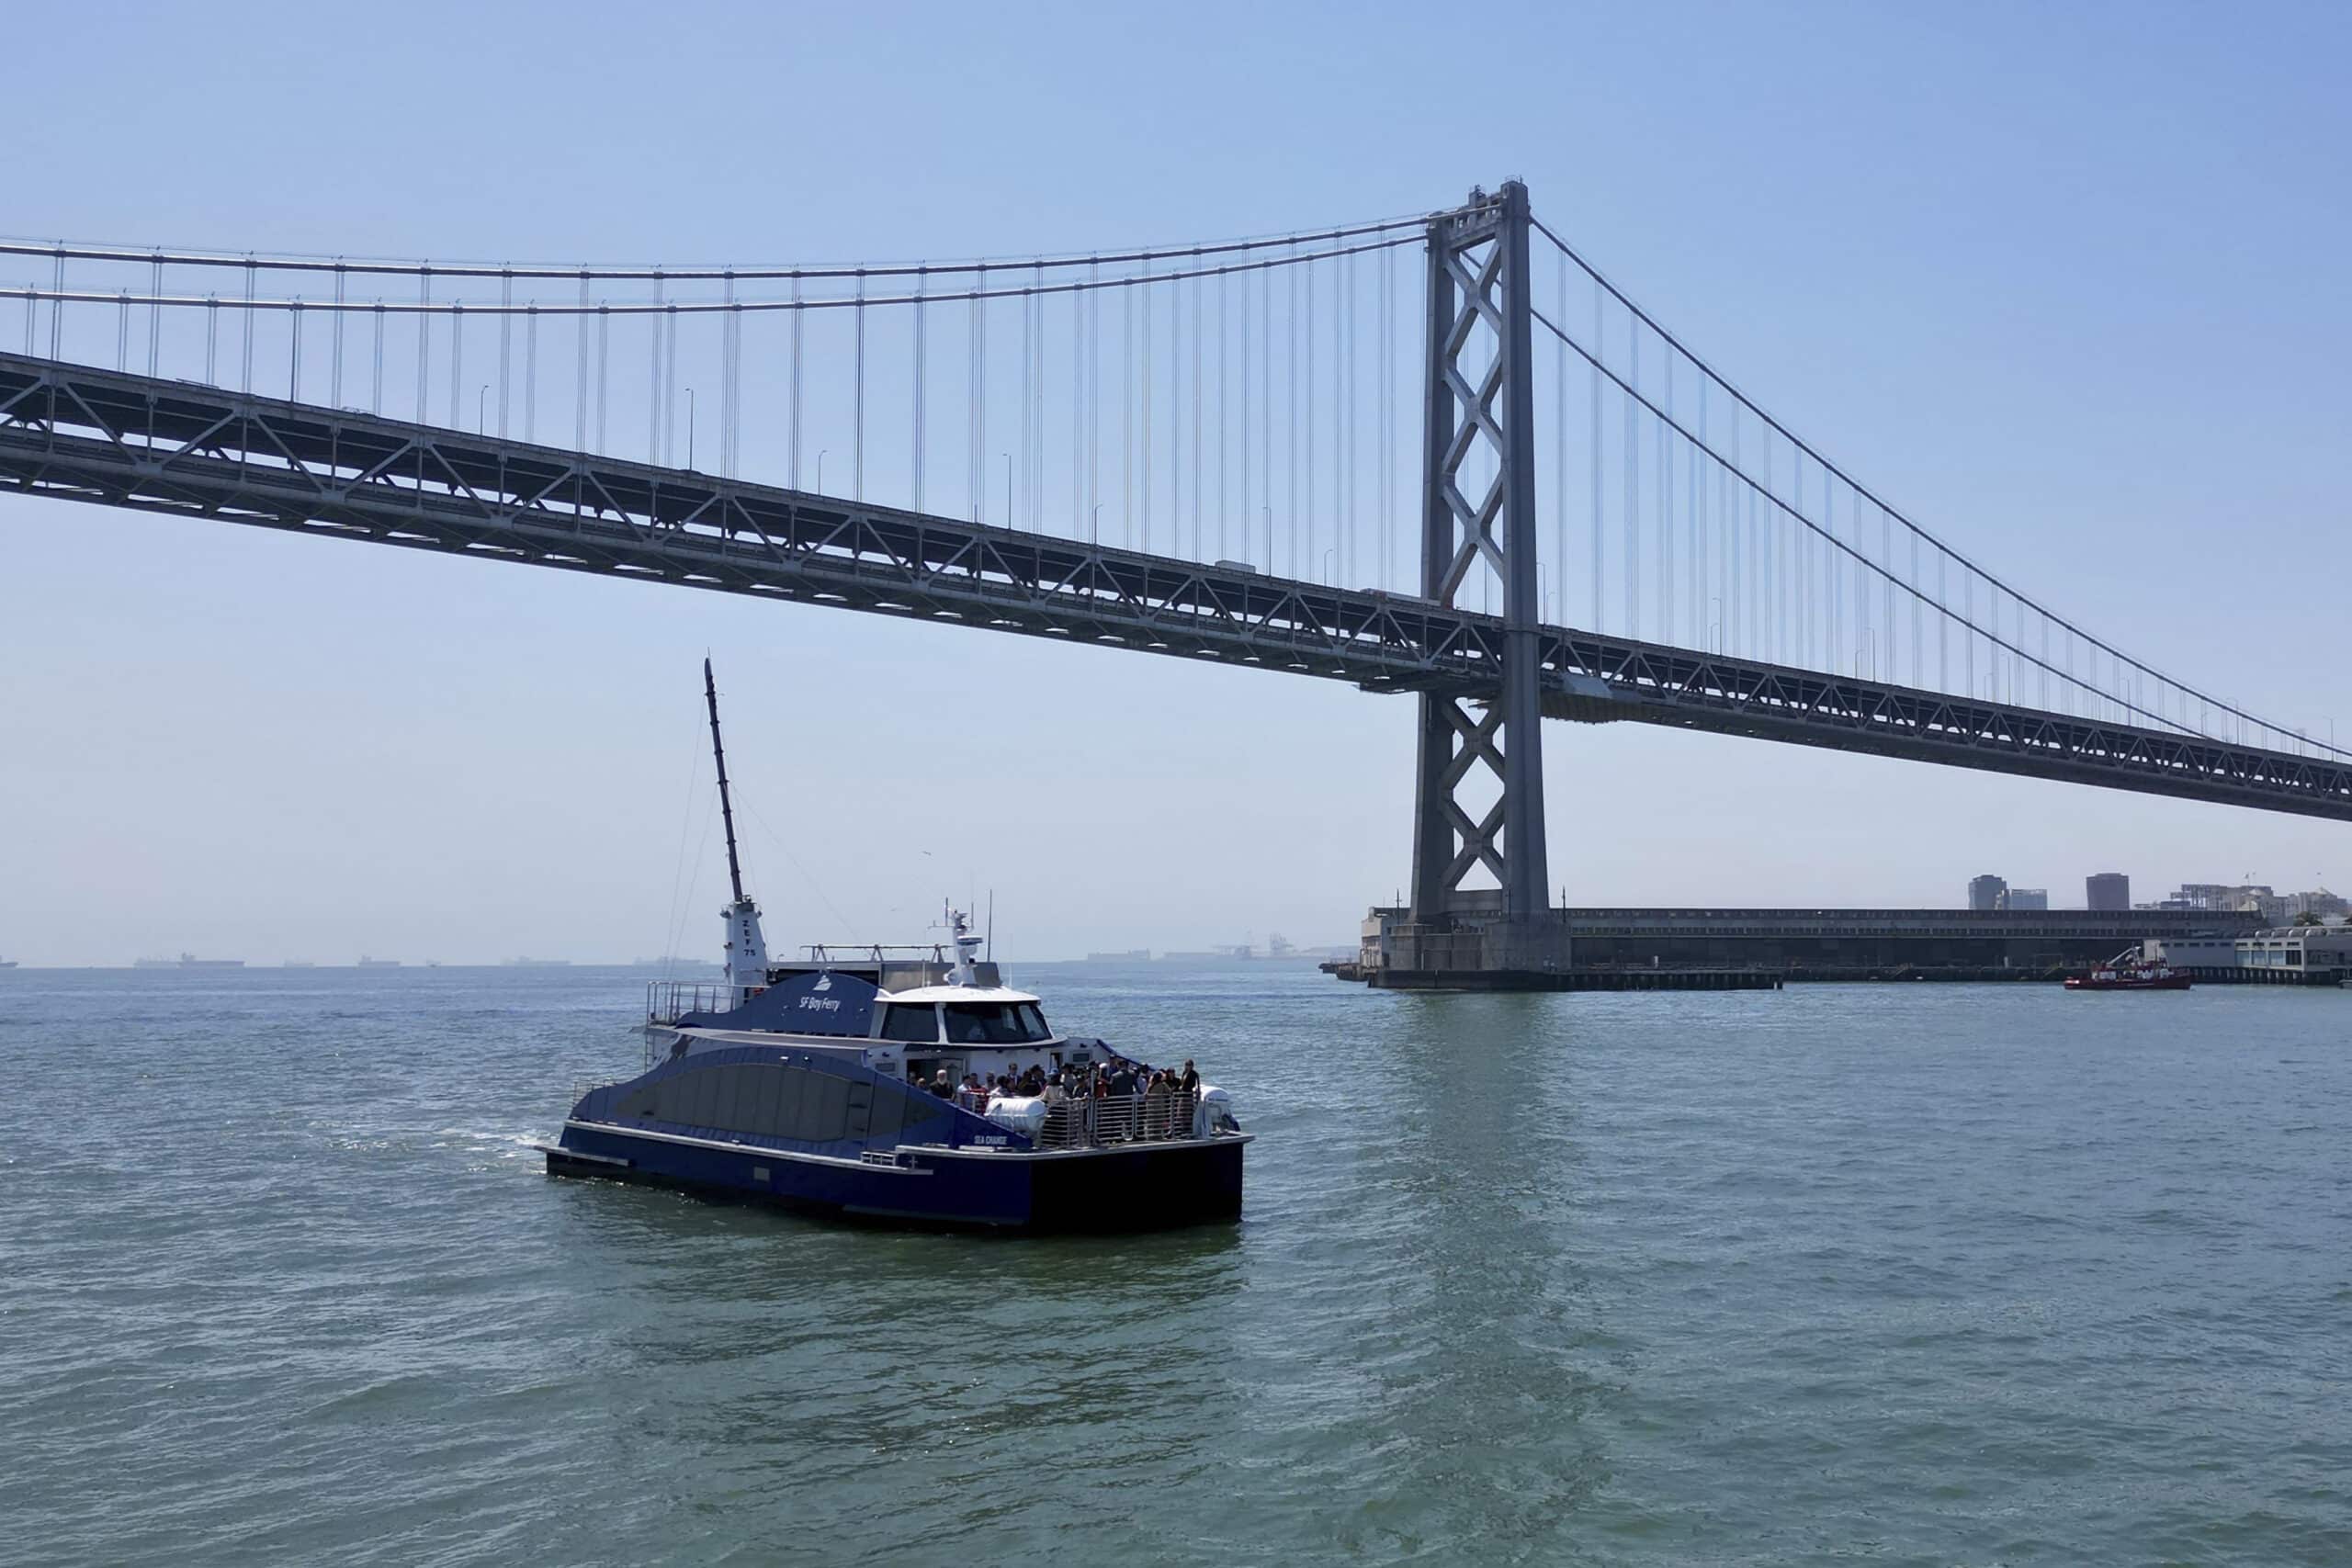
[1897,1273]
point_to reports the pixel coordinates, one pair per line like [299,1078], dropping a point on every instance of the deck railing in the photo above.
[1112,1119]
[666,1001]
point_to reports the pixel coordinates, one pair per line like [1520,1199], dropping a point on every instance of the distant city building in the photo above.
[1985,892]
[2229,897]
[2025,898]
[2107,890]
[2256,897]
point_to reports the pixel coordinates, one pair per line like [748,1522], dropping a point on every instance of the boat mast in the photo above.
[726,804]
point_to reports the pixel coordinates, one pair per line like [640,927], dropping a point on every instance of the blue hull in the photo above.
[1151,1187]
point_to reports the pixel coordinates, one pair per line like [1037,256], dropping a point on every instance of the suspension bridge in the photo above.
[1439,454]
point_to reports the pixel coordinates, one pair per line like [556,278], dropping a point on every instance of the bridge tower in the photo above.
[1479,524]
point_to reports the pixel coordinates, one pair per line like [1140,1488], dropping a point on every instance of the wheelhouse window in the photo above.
[995,1024]
[917,1023]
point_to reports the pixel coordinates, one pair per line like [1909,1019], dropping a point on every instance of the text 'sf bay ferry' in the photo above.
[857,1082]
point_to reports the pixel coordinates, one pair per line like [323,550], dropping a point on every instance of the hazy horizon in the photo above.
[2067,286]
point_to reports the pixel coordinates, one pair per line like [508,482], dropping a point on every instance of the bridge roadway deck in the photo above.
[72,432]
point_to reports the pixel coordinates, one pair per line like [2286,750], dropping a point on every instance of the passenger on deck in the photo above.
[1191,1082]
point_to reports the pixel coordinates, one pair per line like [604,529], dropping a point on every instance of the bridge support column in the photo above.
[1479,440]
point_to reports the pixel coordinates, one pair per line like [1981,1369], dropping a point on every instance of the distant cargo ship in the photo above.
[1132,955]
[188,960]
[367,962]
[7,964]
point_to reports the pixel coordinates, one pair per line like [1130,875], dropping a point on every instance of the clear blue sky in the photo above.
[2068,283]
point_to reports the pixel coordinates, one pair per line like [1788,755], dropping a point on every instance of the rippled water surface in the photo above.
[1904,1274]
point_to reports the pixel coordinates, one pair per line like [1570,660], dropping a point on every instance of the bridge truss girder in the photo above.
[134,443]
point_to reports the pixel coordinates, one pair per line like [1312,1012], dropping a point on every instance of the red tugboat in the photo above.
[2129,971]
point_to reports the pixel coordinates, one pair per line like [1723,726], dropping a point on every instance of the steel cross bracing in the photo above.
[1480,427]
[146,444]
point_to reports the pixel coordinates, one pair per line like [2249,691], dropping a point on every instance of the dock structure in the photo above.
[2273,955]
[1614,948]
[1573,979]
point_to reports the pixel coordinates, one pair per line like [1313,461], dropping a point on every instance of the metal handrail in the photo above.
[668,1000]
[1108,1120]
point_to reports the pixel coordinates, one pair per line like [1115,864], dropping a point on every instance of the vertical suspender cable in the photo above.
[1290,445]
[1968,630]
[155,324]
[1224,402]
[1307,381]
[1886,605]
[376,391]
[580,392]
[857,435]
[1666,507]
[1197,323]
[1248,515]
[1037,392]
[921,390]
[1727,523]
[1918,675]
[1077,412]
[1266,408]
[505,345]
[1697,573]
[424,344]
[1143,388]
[456,419]
[1127,414]
[1702,560]
[1599,345]
[1344,410]
[1763,563]
[1028,402]
[980,396]
[1632,484]
[1559,458]
[656,397]
[1387,416]
[792,418]
[670,389]
[1094,380]
[530,367]
[1176,418]
[731,360]
[603,360]
[57,314]
[247,384]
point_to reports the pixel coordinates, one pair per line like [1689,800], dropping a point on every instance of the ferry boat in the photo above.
[2129,971]
[850,1083]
